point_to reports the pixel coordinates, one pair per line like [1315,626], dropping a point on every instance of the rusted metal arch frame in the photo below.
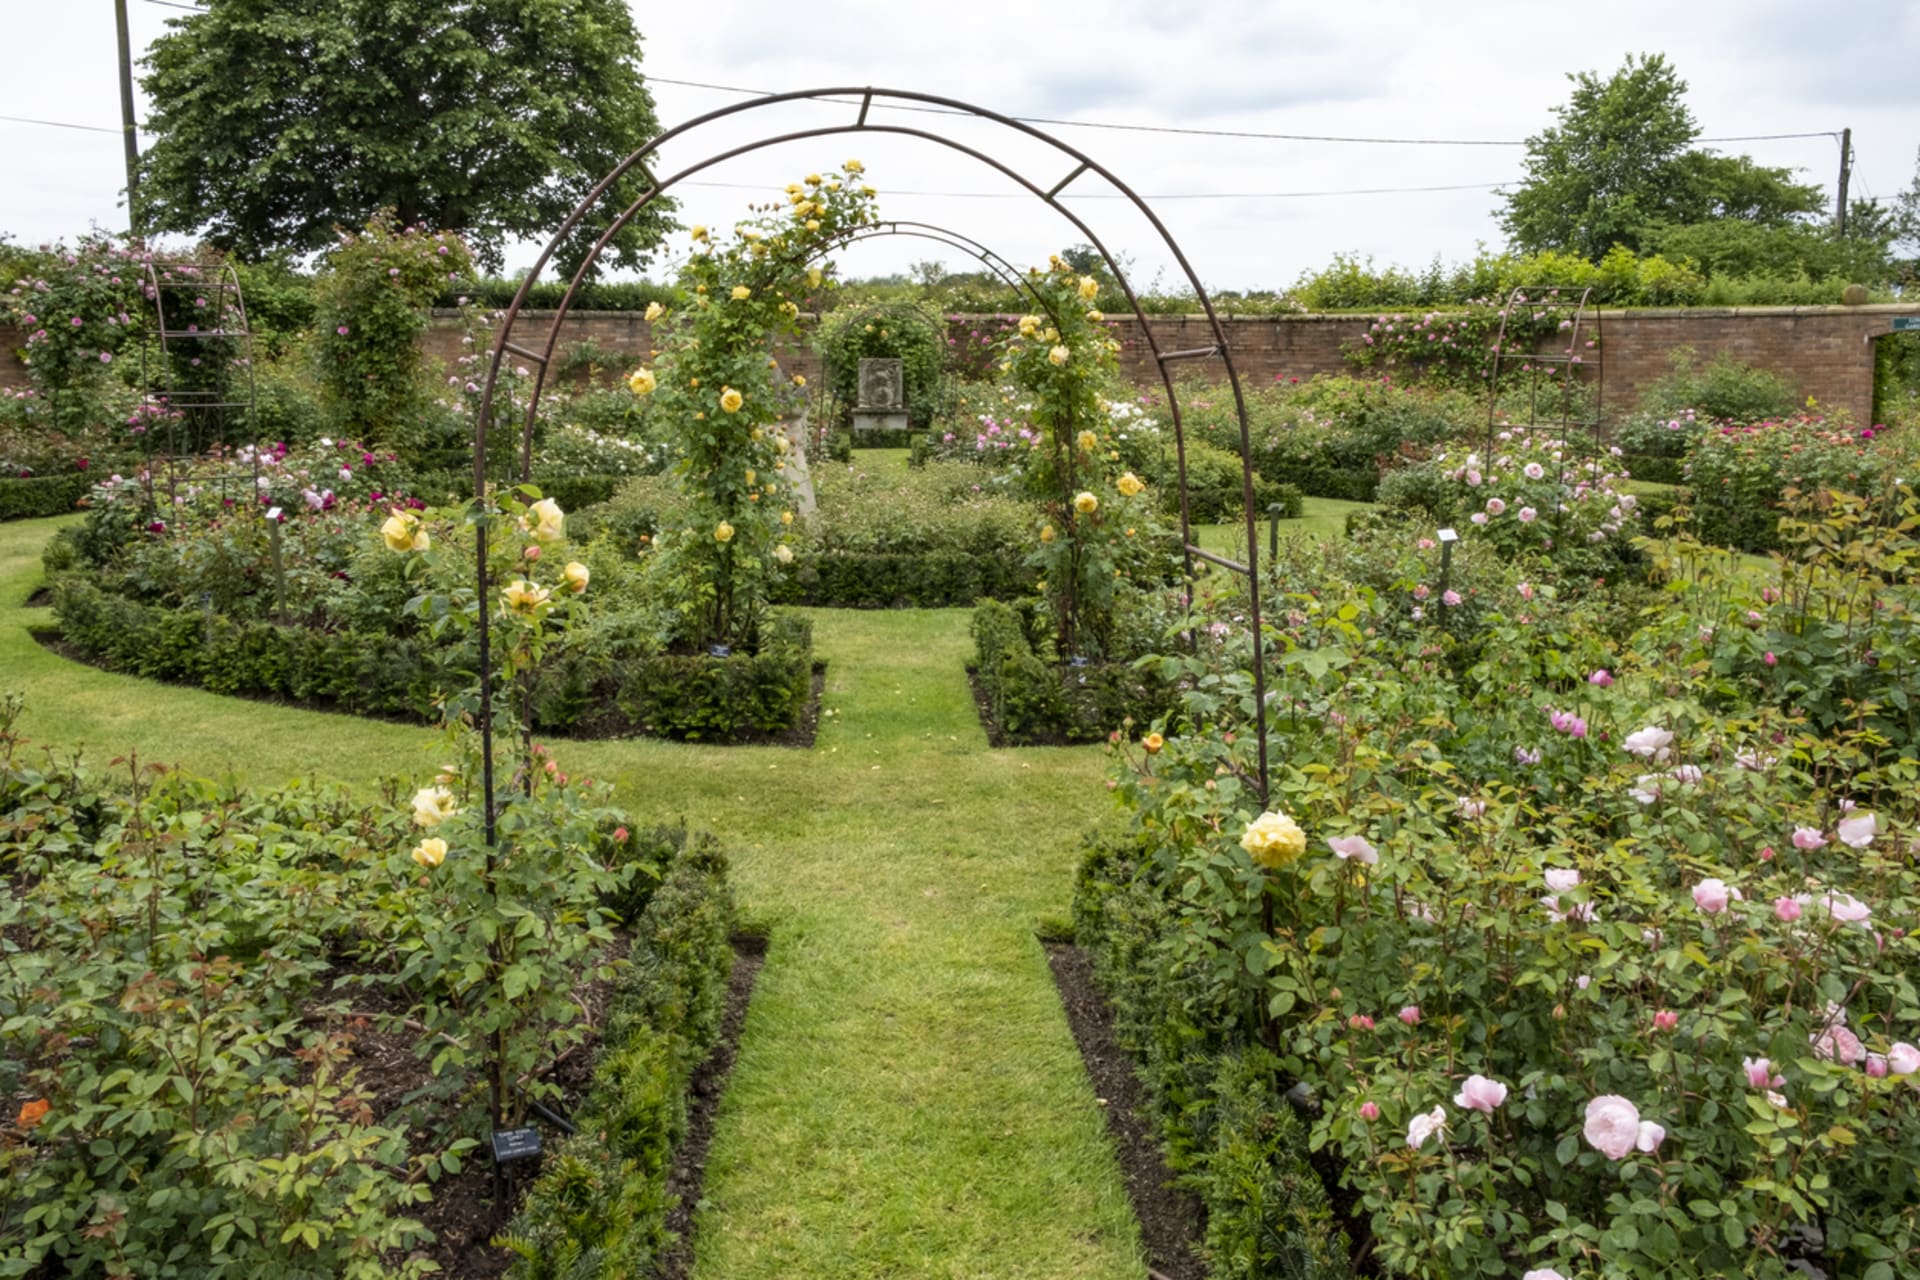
[225,281]
[503,343]
[1005,271]
[1570,364]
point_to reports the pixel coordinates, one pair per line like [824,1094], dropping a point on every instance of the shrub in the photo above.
[1737,475]
[914,334]
[1036,700]
[54,495]
[1724,389]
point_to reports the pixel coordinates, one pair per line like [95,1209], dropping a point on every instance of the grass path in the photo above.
[908,1101]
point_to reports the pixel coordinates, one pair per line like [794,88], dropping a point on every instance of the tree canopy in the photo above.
[275,121]
[1620,166]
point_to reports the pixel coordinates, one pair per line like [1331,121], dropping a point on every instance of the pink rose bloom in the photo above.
[1602,677]
[1903,1059]
[1769,659]
[1712,896]
[1651,741]
[1760,1074]
[1787,910]
[1665,1020]
[1527,515]
[1877,1065]
[1469,808]
[1355,848]
[1846,908]
[1360,1022]
[1478,517]
[1561,879]
[1369,1110]
[1543,1273]
[1451,599]
[1838,1044]
[1480,1094]
[1495,506]
[1807,838]
[1649,1137]
[1612,1126]
[1857,830]
[1411,1015]
[1526,590]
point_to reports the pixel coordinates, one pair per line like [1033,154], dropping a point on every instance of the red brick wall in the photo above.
[1825,352]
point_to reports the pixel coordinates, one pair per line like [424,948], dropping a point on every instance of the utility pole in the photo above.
[131,140]
[1846,171]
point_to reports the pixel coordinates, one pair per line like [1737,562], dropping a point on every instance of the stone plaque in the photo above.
[882,385]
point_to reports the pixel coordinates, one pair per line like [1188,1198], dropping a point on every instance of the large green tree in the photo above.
[277,120]
[1620,165]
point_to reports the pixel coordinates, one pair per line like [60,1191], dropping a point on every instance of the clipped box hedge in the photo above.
[586,690]
[1039,702]
[1229,1132]
[908,580]
[601,1203]
[36,496]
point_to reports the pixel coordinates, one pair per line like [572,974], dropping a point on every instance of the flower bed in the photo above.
[245,1027]
[1571,958]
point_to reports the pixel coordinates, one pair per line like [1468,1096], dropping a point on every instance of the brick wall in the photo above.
[1824,351]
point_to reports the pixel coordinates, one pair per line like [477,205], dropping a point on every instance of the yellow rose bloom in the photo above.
[550,522]
[1059,355]
[783,553]
[524,598]
[1029,325]
[751,476]
[814,277]
[402,532]
[741,293]
[698,233]
[642,382]
[577,575]
[1046,533]
[1087,441]
[654,311]
[723,532]
[731,400]
[430,852]
[1274,839]
[1129,484]
[793,188]
[1096,316]
[1089,288]
[813,179]
[1085,503]
[813,224]
[868,191]
[799,379]
[854,166]
[786,517]
[1153,742]
[432,806]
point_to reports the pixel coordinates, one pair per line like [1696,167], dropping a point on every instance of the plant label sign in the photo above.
[1906,324]
[510,1145]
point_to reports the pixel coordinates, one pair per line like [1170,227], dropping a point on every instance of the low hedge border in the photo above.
[883,438]
[906,580]
[587,692]
[1035,703]
[37,496]
[1230,1134]
[573,493]
[601,1202]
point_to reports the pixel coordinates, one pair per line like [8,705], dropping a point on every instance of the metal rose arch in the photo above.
[540,352]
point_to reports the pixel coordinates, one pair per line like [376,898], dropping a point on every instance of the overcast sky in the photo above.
[1366,68]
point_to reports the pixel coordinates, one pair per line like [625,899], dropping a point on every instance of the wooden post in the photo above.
[130,140]
[1846,172]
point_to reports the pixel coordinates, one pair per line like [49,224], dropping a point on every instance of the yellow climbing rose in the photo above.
[577,576]
[1129,484]
[654,311]
[549,521]
[741,293]
[642,382]
[1059,355]
[731,400]
[525,598]
[432,806]
[1089,288]
[430,852]
[723,532]
[1087,441]
[1085,503]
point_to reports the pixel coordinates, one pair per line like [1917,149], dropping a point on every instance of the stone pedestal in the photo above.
[878,420]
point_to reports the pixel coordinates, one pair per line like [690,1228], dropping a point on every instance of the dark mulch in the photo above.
[41,599]
[689,1170]
[608,724]
[1172,1222]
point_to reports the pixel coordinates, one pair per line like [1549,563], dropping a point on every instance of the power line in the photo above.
[60,124]
[1173,195]
[1227,133]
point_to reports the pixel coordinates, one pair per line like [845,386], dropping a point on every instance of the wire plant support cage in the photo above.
[196,360]
[514,344]
[1548,349]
